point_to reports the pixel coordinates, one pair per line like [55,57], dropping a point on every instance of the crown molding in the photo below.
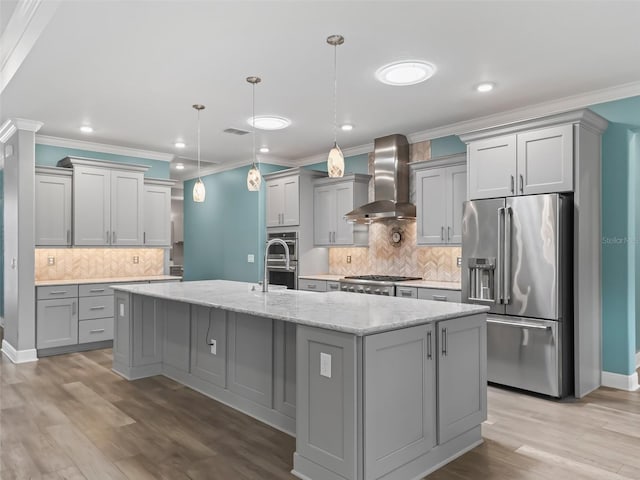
[219,168]
[27,22]
[10,126]
[103,148]
[322,157]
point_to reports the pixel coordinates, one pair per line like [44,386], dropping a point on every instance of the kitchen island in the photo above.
[371,387]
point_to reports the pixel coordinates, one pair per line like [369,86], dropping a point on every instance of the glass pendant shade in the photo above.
[198,191]
[335,162]
[254,179]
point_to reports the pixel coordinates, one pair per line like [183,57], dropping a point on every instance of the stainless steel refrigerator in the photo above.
[516,259]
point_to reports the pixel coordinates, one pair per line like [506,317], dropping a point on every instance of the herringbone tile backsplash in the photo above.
[71,263]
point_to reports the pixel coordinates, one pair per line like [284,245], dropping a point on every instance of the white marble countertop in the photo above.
[341,311]
[323,276]
[409,283]
[84,281]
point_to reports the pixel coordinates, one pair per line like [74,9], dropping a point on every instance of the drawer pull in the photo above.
[439,298]
[96,290]
[333,287]
[405,293]
[100,307]
[57,292]
[311,287]
[97,330]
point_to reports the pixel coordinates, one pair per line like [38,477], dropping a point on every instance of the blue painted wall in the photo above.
[47,155]
[444,146]
[353,164]
[219,233]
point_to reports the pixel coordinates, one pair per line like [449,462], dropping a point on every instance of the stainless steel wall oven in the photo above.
[276,270]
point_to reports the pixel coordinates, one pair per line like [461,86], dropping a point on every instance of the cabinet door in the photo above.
[177,333]
[250,357]
[323,214]
[432,218]
[291,211]
[57,323]
[399,428]
[157,215]
[127,197]
[209,363]
[545,160]
[492,167]
[456,188]
[462,375]
[285,368]
[53,210]
[343,204]
[91,206]
[275,203]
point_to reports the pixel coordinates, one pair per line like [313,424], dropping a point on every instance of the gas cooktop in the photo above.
[381,278]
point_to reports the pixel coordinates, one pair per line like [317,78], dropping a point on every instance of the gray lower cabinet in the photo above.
[399,429]
[177,338]
[251,357]
[462,379]
[57,323]
[439,295]
[95,330]
[311,285]
[207,362]
[284,363]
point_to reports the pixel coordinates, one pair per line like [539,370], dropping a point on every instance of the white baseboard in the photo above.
[621,382]
[637,359]
[19,356]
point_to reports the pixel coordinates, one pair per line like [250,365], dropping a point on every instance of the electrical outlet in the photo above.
[348,258]
[136,259]
[325,365]
[51,260]
[212,344]
[251,258]
[459,261]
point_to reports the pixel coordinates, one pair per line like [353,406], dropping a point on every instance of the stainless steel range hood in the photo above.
[390,183]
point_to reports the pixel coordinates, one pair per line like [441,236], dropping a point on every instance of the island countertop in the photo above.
[345,312]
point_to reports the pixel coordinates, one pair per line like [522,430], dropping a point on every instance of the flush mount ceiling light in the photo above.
[407,72]
[264,149]
[346,127]
[253,175]
[198,188]
[179,145]
[180,166]
[269,122]
[485,87]
[86,129]
[335,161]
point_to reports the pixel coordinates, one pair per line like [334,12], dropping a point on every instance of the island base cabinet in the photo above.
[209,344]
[284,364]
[177,338]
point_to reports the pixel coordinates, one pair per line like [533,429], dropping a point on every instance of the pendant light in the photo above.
[335,161]
[198,189]
[253,176]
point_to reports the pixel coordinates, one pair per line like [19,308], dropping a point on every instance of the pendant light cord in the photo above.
[199,145]
[253,122]
[335,94]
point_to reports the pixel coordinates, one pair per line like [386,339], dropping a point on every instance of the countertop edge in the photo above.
[87,281]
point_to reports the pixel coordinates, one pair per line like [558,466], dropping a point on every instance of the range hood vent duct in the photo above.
[390,183]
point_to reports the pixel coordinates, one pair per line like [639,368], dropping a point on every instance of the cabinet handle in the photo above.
[113,236]
[311,287]
[68,237]
[444,342]
[441,233]
[329,237]
[96,290]
[429,351]
[512,184]
[97,330]
[57,292]
[521,184]
[439,298]
[449,233]
[73,308]
[100,307]
[144,237]
[333,287]
[405,293]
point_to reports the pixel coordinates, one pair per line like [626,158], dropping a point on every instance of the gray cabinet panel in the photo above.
[57,323]
[456,187]
[97,330]
[312,285]
[94,289]
[285,368]
[53,209]
[147,330]
[57,291]
[430,192]
[291,211]
[406,292]
[492,167]
[206,365]
[157,215]
[177,338]
[91,206]
[250,357]
[127,201]
[462,375]
[439,295]
[96,307]
[122,331]
[399,428]
[326,406]
[324,207]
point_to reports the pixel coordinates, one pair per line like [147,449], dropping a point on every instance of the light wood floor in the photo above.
[70,417]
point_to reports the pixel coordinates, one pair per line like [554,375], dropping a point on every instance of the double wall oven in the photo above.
[276,260]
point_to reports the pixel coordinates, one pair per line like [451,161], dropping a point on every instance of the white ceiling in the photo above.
[133,69]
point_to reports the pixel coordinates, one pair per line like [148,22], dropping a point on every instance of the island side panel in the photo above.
[326,417]
[122,335]
[209,362]
[176,317]
[284,364]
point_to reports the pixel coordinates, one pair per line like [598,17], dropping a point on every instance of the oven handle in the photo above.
[282,268]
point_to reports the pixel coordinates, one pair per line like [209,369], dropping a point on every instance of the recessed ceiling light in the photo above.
[264,149]
[485,87]
[179,145]
[270,122]
[86,129]
[346,127]
[407,72]
[179,166]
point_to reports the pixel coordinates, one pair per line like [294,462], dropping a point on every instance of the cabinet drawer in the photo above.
[96,307]
[96,330]
[406,292]
[312,285]
[94,289]
[333,286]
[439,294]
[57,291]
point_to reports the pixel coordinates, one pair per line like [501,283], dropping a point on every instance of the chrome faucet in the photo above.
[265,280]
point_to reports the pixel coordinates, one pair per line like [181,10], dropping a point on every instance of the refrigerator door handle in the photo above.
[499,276]
[507,255]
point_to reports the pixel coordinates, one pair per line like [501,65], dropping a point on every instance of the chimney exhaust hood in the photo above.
[390,183]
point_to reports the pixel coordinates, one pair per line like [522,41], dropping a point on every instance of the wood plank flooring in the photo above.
[70,417]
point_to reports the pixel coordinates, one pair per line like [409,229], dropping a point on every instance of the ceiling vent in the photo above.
[235,131]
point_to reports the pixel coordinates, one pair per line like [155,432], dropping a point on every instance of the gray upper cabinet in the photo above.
[332,199]
[157,213]
[523,163]
[283,201]
[108,202]
[53,206]
[440,192]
